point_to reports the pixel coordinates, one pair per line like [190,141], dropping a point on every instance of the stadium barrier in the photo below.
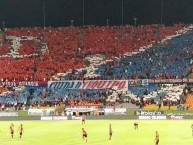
[99,117]
[54,118]
[24,83]
[8,113]
[153,117]
[159,115]
[146,113]
[134,117]
[166,117]
[179,117]
[41,112]
[106,117]
[93,84]
[89,84]
[19,118]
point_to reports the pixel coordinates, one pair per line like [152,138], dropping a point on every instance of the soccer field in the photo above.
[171,132]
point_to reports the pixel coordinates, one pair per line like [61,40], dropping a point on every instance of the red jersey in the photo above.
[83,117]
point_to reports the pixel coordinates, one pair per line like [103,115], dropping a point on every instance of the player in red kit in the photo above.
[84,134]
[83,119]
[110,132]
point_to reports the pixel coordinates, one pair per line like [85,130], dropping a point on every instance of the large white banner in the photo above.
[76,117]
[42,112]
[159,117]
[65,84]
[80,109]
[8,113]
[54,118]
[106,84]
[115,111]
[89,84]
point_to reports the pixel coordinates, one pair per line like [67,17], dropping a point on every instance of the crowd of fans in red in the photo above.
[28,47]
[67,47]
[4,49]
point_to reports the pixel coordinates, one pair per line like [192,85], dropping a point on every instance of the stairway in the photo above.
[60,109]
[155,107]
[189,101]
[127,105]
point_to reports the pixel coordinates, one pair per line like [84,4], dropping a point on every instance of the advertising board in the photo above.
[160,117]
[8,113]
[89,84]
[148,113]
[76,118]
[54,118]
[114,111]
[41,112]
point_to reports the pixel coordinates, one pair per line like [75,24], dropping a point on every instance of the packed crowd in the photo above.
[67,46]
[161,62]
[38,97]
[170,60]
[66,49]
[157,62]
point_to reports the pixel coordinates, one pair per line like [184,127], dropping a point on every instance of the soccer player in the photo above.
[11,128]
[83,119]
[136,125]
[110,132]
[20,129]
[192,129]
[84,134]
[156,138]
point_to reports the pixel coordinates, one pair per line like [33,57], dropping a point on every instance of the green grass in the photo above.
[172,132]
[23,113]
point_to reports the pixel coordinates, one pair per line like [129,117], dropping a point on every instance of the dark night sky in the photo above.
[23,13]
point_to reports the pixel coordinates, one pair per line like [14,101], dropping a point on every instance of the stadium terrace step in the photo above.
[42,107]
[127,105]
[189,101]
[155,107]
[60,109]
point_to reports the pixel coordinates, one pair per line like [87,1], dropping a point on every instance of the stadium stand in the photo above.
[189,101]
[70,53]
[73,43]
[161,61]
